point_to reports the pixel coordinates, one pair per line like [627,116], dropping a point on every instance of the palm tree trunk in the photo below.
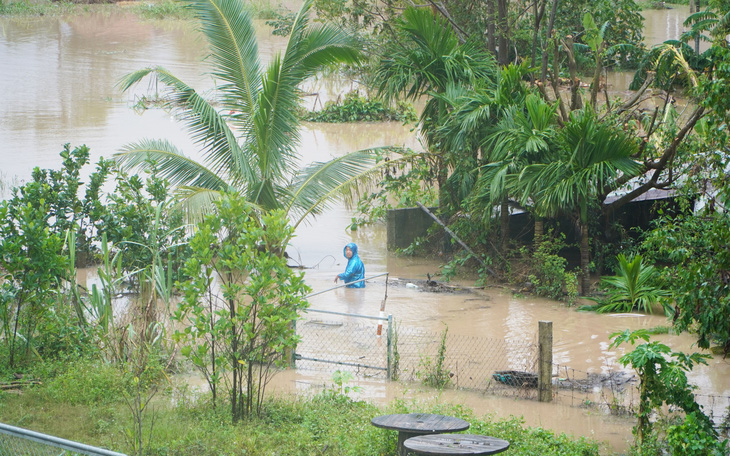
[539,228]
[491,35]
[503,33]
[584,259]
[504,224]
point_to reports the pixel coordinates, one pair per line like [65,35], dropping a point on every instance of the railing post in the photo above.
[545,361]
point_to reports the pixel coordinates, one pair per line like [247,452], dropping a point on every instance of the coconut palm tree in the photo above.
[249,135]
[591,155]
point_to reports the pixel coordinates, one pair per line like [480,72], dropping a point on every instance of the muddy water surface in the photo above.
[59,79]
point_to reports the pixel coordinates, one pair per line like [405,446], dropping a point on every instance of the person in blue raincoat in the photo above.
[355,268]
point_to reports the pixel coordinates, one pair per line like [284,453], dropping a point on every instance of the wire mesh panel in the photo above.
[15,441]
[331,341]
[616,392]
[467,362]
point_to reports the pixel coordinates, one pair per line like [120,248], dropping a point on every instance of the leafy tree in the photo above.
[249,136]
[60,189]
[695,253]
[32,267]
[246,328]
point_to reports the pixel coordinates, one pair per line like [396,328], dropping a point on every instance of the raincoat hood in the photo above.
[353,247]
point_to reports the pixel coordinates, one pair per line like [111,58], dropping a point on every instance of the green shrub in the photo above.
[355,108]
[692,439]
[634,288]
[87,382]
[546,269]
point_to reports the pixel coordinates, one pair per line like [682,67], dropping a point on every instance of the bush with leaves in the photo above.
[547,269]
[241,300]
[696,253]
[144,226]
[634,288]
[357,108]
[662,373]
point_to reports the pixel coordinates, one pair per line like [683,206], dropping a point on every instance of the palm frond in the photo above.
[135,77]
[229,29]
[205,124]
[319,184]
[170,164]
[196,202]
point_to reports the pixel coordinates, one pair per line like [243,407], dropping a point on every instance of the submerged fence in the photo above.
[15,441]
[331,341]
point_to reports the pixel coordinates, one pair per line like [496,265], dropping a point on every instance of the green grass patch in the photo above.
[320,424]
[33,9]
[165,9]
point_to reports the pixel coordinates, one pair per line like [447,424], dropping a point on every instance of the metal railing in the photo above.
[15,441]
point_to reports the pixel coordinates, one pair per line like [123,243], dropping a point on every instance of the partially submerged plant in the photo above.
[633,288]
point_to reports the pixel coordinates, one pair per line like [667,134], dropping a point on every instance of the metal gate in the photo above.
[360,343]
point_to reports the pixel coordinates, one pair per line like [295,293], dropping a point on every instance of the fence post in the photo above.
[290,354]
[545,361]
[389,348]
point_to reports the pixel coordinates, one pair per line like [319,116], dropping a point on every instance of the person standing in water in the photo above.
[355,268]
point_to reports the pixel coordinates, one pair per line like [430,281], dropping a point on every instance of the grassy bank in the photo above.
[85,402]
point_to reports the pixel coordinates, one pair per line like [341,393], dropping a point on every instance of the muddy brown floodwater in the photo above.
[58,77]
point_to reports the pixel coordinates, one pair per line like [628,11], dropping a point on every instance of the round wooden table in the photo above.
[417,424]
[465,444]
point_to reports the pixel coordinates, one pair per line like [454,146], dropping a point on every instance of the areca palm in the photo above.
[513,129]
[591,156]
[429,60]
[249,135]
[522,137]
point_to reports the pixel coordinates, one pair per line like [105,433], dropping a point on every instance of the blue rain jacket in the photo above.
[355,268]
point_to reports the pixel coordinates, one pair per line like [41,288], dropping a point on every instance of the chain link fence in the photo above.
[615,391]
[467,362]
[15,441]
[356,343]
[376,347]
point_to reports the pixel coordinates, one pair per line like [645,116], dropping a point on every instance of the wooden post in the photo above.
[290,353]
[545,361]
